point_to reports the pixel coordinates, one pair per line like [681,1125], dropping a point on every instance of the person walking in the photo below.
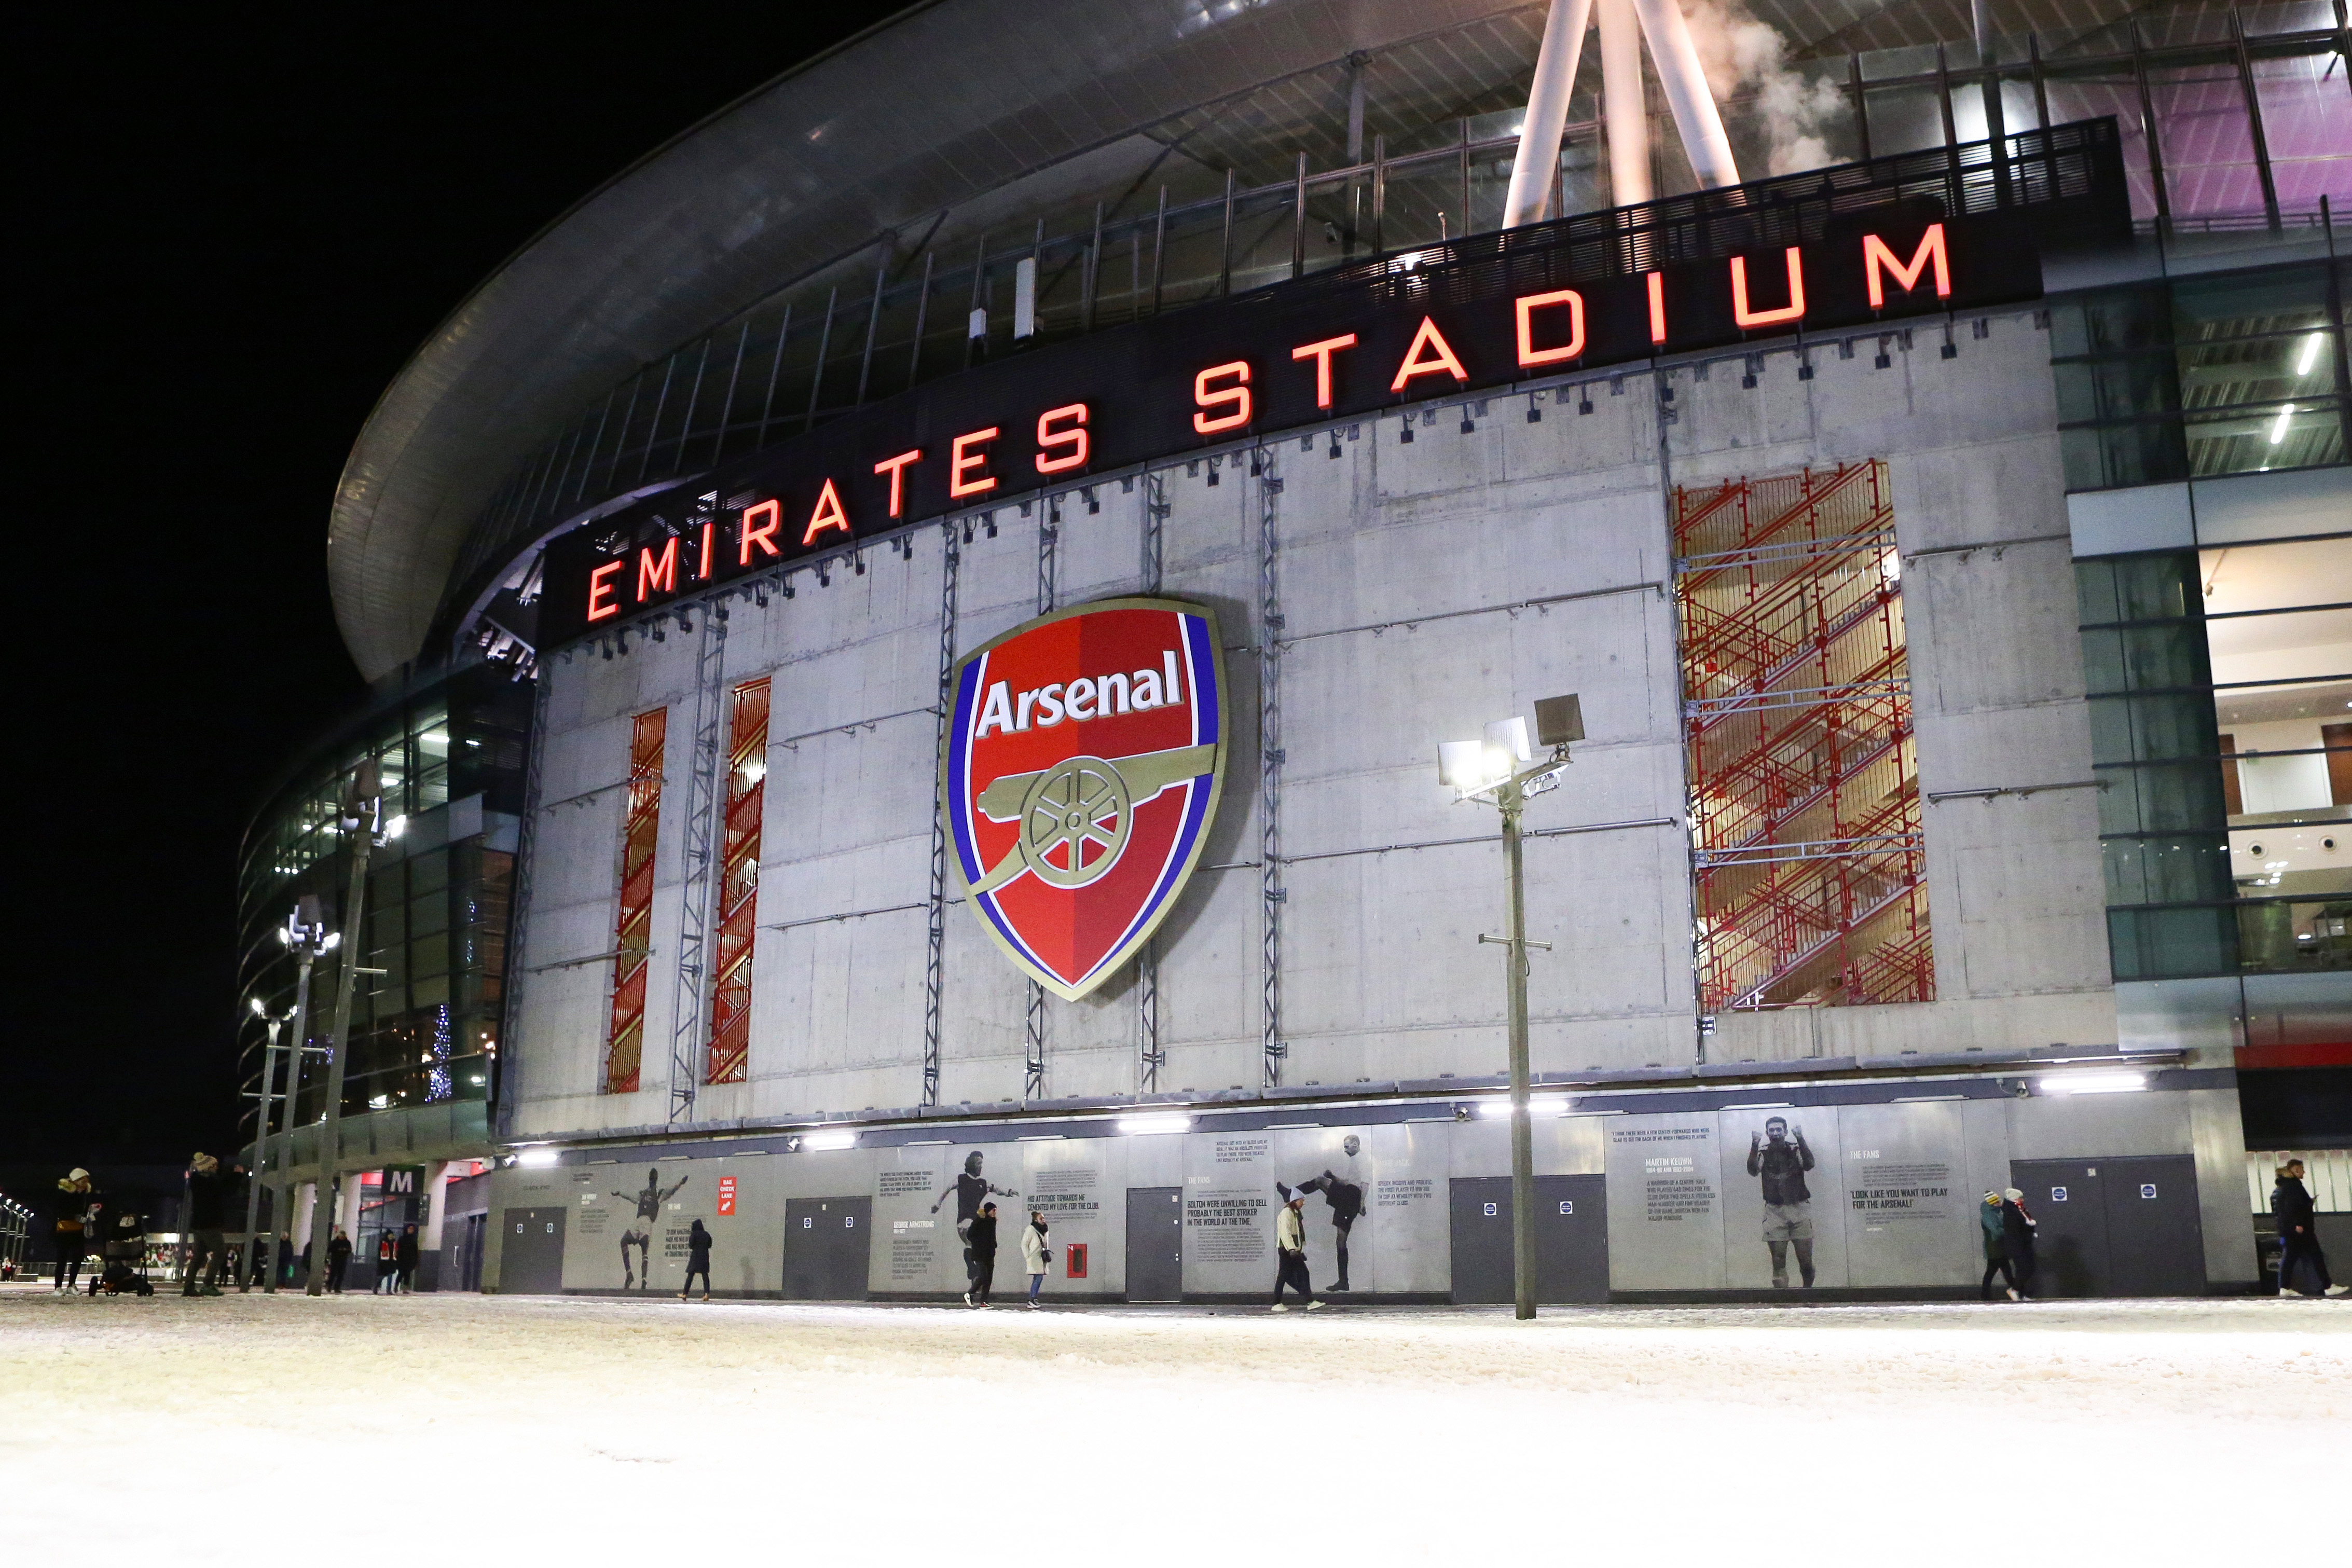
[339,1261]
[1996,1248]
[405,1256]
[697,1260]
[208,1195]
[387,1264]
[75,1201]
[2017,1242]
[2302,1266]
[1290,1253]
[982,1242]
[1034,1254]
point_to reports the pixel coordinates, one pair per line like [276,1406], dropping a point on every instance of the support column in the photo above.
[1625,105]
[1533,174]
[1273,1049]
[1687,94]
[1033,1071]
[935,950]
[1148,1056]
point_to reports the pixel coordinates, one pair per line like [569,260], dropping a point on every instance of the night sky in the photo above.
[229,230]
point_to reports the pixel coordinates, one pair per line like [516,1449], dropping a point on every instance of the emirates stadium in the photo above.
[1131,608]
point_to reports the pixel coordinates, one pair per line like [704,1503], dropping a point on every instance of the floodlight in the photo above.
[1558,721]
[1509,737]
[1461,764]
[259,1010]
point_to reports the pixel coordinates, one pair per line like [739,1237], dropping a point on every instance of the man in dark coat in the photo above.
[2303,1268]
[208,1194]
[2017,1241]
[405,1256]
[339,1261]
[981,1247]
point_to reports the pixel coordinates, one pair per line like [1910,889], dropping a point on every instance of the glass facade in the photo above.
[424,1028]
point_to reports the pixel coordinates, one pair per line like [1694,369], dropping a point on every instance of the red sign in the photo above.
[726,1195]
[1074,1256]
[1079,776]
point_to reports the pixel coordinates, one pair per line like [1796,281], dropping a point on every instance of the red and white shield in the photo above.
[1081,768]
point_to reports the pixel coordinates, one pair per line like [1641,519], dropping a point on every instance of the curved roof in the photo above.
[947,103]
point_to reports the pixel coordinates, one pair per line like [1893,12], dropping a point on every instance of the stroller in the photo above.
[125,1273]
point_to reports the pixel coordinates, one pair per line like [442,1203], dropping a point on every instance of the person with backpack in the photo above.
[1034,1254]
[697,1260]
[1996,1248]
[2017,1242]
[387,1264]
[1290,1251]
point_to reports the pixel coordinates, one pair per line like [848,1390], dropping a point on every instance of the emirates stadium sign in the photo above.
[1078,778]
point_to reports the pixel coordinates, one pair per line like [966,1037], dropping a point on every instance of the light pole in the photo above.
[362,806]
[305,934]
[1496,770]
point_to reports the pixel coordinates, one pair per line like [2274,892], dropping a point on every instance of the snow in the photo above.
[546,1429]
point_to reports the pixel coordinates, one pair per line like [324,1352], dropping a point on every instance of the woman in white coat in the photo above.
[1035,1254]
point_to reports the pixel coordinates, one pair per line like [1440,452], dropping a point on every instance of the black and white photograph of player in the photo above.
[1345,1195]
[1780,1156]
[970,1189]
[640,1234]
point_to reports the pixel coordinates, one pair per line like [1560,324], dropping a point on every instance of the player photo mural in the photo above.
[970,1189]
[1780,1158]
[1077,778]
[640,1233]
[1346,1197]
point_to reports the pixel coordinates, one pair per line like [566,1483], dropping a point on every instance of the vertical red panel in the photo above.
[738,887]
[1809,875]
[633,929]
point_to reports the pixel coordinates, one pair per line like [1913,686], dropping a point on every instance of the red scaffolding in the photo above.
[1809,879]
[633,925]
[730,1049]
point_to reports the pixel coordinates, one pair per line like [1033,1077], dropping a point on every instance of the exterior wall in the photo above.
[1381,977]
[1900,1165]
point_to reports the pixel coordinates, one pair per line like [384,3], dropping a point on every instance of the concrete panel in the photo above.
[2117,522]
[2244,508]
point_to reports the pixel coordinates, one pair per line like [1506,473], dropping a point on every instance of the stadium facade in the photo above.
[915,627]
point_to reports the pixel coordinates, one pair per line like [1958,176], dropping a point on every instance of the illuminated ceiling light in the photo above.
[1155,1122]
[2310,355]
[539,1158]
[2094,1083]
[1537,1105]
[821,1142]
[2278,429]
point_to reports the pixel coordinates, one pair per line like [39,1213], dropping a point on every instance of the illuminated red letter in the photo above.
[1074,439]
[1322,354]
[1876,255]
[1657,282]
[600,591]
[895,467]
[707,529]
[761,533]
[1527,305]
[1793,310]
[961,461]
[661,574]
[1441,357]
[1207,397]
[826,513]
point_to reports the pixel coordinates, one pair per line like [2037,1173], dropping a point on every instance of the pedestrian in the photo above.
[982,1242]
[1290,1251]
[2017,1242]
[2302,1266]
[75,1201]
[387,1263]
[1996,1248]
[339,1261]
[209,1195]
[1034,1254]
[697,1259]
[405,1255]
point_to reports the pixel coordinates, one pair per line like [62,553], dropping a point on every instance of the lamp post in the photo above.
[1502,768]
[305,935]
[362,807]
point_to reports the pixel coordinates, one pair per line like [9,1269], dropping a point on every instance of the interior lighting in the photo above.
[2278,429]
[2095,1083]
[395,828]
[538,1159]
[1155,1122]
[2310,355]
[821,1142]
[1537,1105]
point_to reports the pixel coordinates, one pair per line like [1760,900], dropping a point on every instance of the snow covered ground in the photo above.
[591,1431]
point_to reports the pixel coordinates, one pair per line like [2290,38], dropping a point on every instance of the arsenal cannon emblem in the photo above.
[1084,751]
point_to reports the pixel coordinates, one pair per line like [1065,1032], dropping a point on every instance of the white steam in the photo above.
[1741,53]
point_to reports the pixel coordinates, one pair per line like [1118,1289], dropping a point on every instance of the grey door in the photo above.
[2067,1199]
[1155,1243]
[530,1260]
[826,1245]
[2155,1243]
[1571,1239]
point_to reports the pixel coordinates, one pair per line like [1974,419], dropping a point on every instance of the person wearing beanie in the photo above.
[1996,1248]
[2017,1242]
[1290,1254]
[77,1206]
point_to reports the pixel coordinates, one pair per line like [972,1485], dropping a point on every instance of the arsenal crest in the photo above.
[1084,752]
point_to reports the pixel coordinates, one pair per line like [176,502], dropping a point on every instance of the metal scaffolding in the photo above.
[689,984]
[1271,1046]
[936,935]
[1808,865]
